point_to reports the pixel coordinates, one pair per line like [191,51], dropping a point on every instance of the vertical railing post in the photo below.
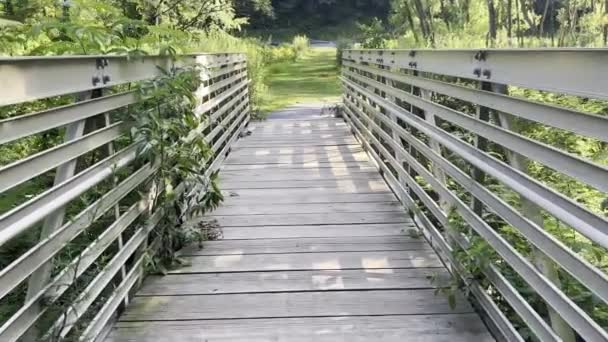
[435,146]
[40,278]
[482,114]
[534,213]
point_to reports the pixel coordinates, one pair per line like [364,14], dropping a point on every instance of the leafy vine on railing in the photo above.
[173,142]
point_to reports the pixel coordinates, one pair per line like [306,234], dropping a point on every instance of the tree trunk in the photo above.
[509,20]
[424,25]
[444,13]
[410,19]
[491,23]
[526,15]
[482,114]
[520,39]
[606,24]
[465,10]
[9,10]
[541,27]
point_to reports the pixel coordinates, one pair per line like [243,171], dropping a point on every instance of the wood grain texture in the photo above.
[307,208]
[414,328]
[293,304]
[304,142]
[361,184]
[345,230]
[334,173]
[314,247]
[299,159]
[310,219]
[241,151]
[296,196]
[309,261]
[307,245]
[290,281]
[353,165]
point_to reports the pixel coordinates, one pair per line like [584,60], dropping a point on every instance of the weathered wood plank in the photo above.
[309,165]
[274,151]
[281,125]
[347,230]
[244,198]
[298,127]
[309,219]
[290,281]
[314,247]
[309,261]
[302,174]
[293,304]
[413,328]
[302,135]
[362,184]
[307,142]
[298,159]
[303,245]
[307,208]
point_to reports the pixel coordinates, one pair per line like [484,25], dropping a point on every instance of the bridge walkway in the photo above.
[314,246]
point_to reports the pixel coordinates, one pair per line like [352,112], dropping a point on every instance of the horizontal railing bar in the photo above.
[222,125]
[215,60]
[25,169]
[581,169]
[13,274]
[498,317]
[64,323]
[576,317]
[591,125]
[582,72]
[578,267]
[210,104]
[26,313]
[32,310]
[586,222]
[221,156]
[17,220]
[222,110]
[237,95]
[97,324]
[213,74]
[28,79]
[241,117]
[26,125]
[421,170]
[32,78]
[205,57]
[204,91]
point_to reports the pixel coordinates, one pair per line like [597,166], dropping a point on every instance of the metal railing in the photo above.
[94,280]
[443,129]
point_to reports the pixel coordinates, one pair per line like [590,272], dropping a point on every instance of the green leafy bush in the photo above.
[300,45]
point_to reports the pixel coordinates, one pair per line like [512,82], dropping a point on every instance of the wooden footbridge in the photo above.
[384,219]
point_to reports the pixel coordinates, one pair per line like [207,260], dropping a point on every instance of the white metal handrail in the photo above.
[393,101]
[224,111]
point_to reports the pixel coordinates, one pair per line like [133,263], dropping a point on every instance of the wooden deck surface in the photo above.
[315,248]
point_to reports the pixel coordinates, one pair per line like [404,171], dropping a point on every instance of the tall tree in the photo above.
[492,24]
[424,20]
[605,22]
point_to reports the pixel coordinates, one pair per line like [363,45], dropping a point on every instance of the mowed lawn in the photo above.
[312,78]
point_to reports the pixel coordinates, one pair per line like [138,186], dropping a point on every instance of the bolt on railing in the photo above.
[468,160]
[94,219]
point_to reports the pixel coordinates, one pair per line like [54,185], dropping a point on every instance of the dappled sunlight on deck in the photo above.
[315,248]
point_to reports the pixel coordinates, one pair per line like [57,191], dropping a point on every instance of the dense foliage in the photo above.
[477,23]
[172,27]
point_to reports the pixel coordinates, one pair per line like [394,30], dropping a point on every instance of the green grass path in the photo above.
[312,78]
